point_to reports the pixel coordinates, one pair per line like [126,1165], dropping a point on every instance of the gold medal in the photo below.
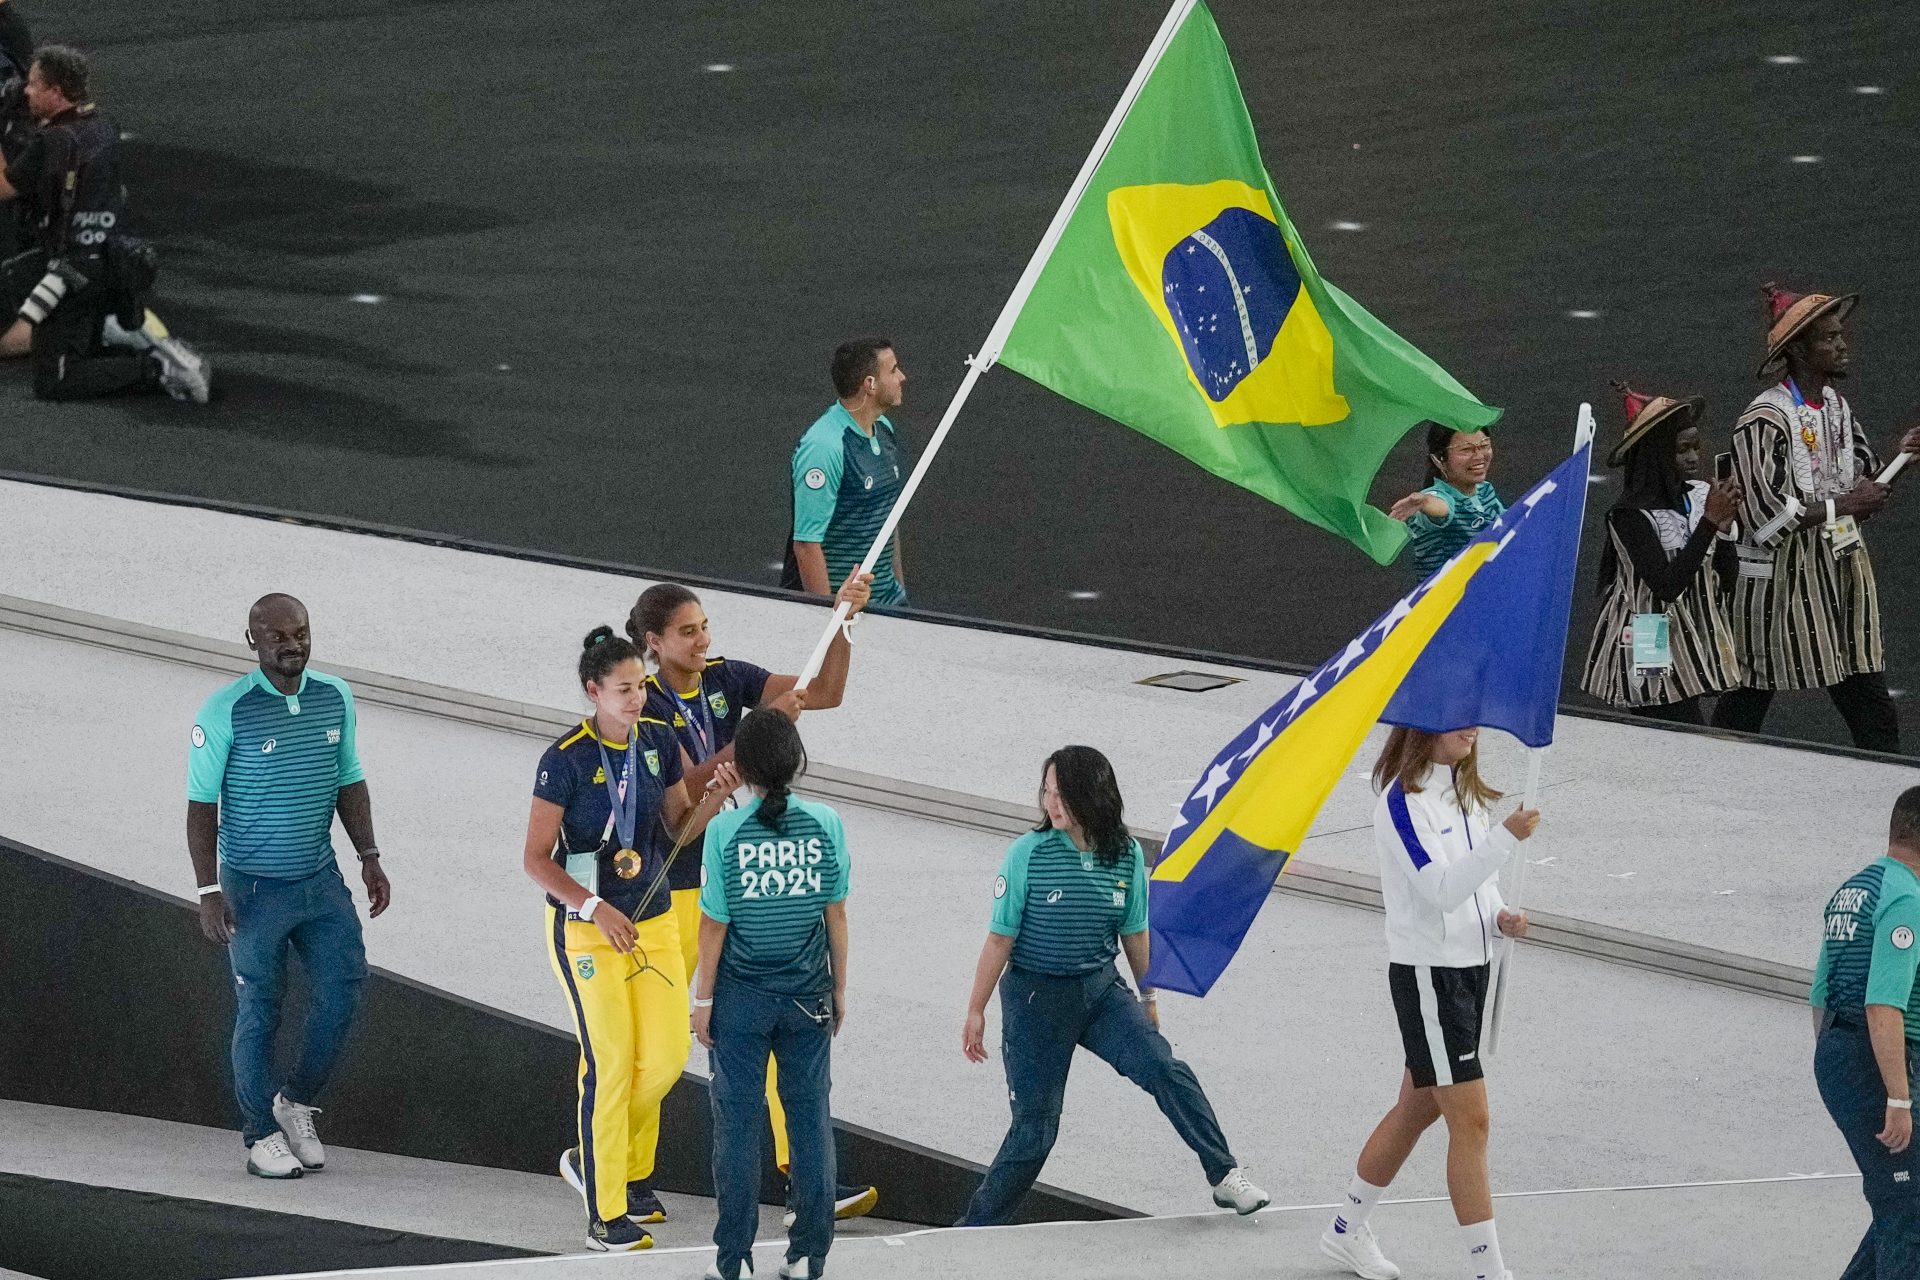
[626,864]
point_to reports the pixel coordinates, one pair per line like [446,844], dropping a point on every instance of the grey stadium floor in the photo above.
[1620,1091]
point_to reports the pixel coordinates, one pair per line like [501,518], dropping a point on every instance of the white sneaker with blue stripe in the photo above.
[1355,1248]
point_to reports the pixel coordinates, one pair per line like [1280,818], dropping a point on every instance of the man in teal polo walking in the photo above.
[273,757]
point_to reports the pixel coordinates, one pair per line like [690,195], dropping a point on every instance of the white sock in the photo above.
[1361,1197]
[1483,1251]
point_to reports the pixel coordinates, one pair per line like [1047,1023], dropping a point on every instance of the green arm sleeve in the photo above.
[349,758]
[838,831]
[1136,918]
[1010,892]
[1819,997]
[1895,953]
[817,467]
[207,759]
[713,873]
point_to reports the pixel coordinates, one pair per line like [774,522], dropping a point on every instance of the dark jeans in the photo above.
[1861,699]
[1685,711]
[314,915]
[747,1027]
[1856,1098]
[69,360]
[1042,1019]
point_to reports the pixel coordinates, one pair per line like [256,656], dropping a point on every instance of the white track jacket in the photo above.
[1439,867]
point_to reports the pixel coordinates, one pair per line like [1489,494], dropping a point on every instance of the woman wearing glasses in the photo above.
[606,800]
[1458,501]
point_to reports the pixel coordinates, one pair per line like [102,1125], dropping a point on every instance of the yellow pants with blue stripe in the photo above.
[634,1041]
[686,909]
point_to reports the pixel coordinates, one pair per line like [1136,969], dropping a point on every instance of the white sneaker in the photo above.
[184,373]
[296,1123]
[271,1157]
[570,1169]
[1357,1250]
[1236,1193]
[713,1271]
[798,1269]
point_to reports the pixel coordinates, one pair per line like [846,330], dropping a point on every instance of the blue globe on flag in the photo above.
[1229,287]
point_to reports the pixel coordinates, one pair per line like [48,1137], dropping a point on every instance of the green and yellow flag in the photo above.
[1181,302]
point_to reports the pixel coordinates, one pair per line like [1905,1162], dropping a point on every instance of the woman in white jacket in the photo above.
[1440,856]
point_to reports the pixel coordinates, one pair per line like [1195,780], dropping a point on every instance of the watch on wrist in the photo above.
[369,854]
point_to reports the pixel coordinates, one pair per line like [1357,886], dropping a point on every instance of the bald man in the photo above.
[272,760]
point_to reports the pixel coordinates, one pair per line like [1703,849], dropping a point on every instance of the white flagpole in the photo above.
[1536,758]
[1003,326]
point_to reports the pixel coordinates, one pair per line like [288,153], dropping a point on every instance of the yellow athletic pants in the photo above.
[686,909]
[634,1040]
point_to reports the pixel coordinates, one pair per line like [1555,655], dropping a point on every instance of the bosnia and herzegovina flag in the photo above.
[1181,302]
[1480,642]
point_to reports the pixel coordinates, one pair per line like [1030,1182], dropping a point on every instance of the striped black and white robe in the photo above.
[1804,616]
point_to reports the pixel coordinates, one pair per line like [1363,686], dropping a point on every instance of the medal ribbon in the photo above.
[625,797]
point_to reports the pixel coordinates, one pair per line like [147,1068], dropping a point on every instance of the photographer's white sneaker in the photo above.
[271,1157]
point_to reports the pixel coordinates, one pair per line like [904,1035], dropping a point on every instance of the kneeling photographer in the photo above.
[86,273]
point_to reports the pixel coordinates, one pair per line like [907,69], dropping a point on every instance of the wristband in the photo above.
[1147,997]
[698,1003]
[372,851]
[1830,516]
[1900,1104]
[206,889]
[588,907]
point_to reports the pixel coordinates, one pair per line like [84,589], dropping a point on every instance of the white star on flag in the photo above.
[1217,777]
[1261,737]
[1356,650]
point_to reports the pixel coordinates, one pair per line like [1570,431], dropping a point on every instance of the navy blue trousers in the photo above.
[1856,1098]
[1042,1020]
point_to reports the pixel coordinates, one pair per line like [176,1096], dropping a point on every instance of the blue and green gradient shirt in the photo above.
[1868,953]
[771,888]
[844,484]
[275,762]
[1437,541]
[1066,910]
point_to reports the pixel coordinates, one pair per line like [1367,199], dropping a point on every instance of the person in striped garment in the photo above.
[275,755]
[847,474]
[1866,1019]
[1459,500]
[1806,609]
[772,980]
[1658,570]
[1071,894]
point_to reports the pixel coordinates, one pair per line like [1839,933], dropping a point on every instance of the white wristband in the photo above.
[206,889]
[1900,1104]
[587,907]
[1830,516]
[698,1003]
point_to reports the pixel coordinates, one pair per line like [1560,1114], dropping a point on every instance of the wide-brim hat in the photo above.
[1790,313]
[1644,413]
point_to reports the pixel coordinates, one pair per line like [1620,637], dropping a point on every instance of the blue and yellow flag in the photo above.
[1480,618]
[1182,302]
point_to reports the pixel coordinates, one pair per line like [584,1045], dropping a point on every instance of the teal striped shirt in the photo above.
[1868,953]
[844,484]
[275,763]
[1066,910]
[771,888]
[1437,541]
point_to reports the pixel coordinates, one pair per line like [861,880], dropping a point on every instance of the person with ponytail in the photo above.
[607,800]
[1440,858]
[706,700]
[772,981]
[1070,896]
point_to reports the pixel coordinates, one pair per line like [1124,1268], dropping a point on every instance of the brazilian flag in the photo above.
[1181,302]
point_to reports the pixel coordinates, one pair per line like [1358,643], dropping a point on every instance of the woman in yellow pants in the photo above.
[607,795]
[704,700]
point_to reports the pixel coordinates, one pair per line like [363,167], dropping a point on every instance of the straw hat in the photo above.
[1644,413]
[1792,312]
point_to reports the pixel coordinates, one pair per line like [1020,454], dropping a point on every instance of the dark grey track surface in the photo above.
[661,256]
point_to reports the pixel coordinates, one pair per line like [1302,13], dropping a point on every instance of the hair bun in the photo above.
[597,636]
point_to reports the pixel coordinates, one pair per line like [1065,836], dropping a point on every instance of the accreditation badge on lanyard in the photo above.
[1842,534]
[624,815]
[1652,646]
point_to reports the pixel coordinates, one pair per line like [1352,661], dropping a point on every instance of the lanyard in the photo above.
[696,719]
[624,799]
[1812,434]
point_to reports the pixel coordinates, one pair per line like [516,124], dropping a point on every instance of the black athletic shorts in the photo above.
[1440,1012]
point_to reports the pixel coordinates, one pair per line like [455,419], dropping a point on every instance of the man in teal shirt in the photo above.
[847,474]
[1866,1014]
[273,757]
